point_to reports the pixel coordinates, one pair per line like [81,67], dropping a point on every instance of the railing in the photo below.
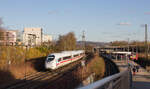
[122,80]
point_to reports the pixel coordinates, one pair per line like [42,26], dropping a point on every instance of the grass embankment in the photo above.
[15,73]
[17,55]
[96,65]
[12,61]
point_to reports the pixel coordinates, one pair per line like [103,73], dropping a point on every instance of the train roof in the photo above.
[66,53]
[119,52]
[76,51]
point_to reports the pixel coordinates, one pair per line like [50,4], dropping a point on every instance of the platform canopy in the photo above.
[119,52]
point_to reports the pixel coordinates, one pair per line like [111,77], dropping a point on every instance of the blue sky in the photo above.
[102,20]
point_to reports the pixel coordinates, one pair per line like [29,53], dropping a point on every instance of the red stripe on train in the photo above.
[67,60]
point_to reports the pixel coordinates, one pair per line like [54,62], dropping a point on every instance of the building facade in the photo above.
[47,38]
[32,36]
[8,37]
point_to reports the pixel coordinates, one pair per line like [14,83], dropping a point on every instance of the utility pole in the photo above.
[83,40]
[146,45]
[136,48]
[128,45]
[127,57]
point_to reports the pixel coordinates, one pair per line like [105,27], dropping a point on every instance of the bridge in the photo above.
[131,48]
[125,78]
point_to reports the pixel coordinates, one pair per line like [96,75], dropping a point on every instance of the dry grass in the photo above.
[6,77]
[18,71]
[96,65]
[17,55]
[14,73]
[14,69]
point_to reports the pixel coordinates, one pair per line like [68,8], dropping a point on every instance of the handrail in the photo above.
[117,81]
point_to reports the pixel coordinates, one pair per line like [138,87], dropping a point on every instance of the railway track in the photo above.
[25,81]
[40,78]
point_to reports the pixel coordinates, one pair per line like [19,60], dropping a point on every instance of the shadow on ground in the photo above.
[66,81]
[146,76]
[141,85]
[5,78]
[38,63]
[111,68]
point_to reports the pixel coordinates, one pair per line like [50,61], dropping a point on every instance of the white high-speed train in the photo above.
[56,60]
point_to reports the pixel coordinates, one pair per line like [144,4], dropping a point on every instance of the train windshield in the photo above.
[50,58]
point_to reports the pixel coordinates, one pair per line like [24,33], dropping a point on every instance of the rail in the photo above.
[122,80]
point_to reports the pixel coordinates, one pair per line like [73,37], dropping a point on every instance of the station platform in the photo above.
[141,79]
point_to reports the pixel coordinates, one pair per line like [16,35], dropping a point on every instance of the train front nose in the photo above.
[49,65]
[50,62]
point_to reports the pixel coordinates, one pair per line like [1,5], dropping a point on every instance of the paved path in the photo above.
[141,80]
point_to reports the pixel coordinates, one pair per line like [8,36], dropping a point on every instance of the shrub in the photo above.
[17,54]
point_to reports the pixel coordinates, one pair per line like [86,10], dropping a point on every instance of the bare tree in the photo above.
[1,31]
[67,42]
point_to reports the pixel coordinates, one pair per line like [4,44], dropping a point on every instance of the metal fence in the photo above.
[122,80]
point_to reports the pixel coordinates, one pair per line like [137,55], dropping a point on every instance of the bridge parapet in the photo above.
[122,80]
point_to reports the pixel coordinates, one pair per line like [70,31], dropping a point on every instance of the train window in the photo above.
[59,59]
[50,58]
[65,58]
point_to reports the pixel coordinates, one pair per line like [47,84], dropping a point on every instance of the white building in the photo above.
[32,36]
[9,37]
[47,38]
